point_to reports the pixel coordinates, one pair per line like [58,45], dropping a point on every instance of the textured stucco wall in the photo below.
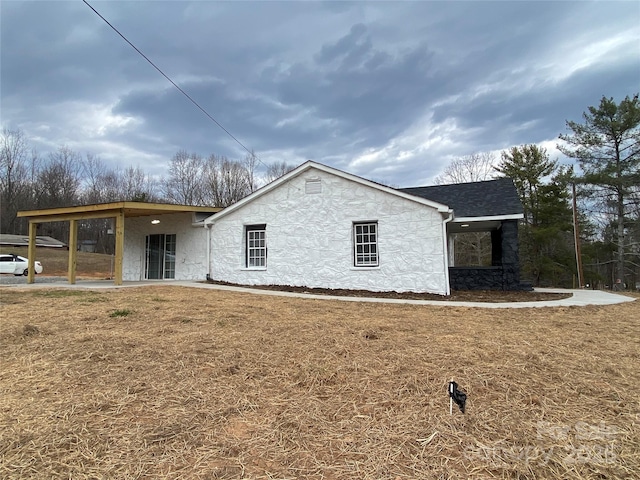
[191,244]
[309,239]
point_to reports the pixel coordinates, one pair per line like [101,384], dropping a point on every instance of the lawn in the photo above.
[170,382]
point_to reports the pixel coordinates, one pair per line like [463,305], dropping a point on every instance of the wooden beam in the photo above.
[103,210]
[86,210]
[31,252]
[119,247]
[73,216]
[73,249]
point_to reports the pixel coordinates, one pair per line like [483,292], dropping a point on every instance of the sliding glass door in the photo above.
[160,257]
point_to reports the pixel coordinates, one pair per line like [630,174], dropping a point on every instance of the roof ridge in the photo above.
[458,183]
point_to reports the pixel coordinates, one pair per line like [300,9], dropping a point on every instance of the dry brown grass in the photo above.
[168,382]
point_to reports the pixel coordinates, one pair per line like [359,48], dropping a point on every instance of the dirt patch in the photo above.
[208,384]
[491,296]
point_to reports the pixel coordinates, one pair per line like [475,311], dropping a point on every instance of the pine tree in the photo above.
[545,233]
[607,147]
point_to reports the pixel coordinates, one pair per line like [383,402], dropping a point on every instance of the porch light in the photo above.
[155,221]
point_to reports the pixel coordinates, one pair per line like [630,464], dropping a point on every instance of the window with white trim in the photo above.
[365,244]
[256,246]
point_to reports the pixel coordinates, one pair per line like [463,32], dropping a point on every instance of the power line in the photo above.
[173,83]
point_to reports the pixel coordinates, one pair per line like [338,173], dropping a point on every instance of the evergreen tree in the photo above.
[607,147]
[545,233]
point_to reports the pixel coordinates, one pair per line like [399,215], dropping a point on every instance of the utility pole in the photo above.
[576,237]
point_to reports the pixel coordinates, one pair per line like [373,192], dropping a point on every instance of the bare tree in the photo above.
[276,170]
[227,181]
[215,181]
[102,184]
[60,179]
[184,184]
[64,178]
[473,248]
[59,185]
[137,186]
[99,182]
[14,177]
[250,162]
[476,167]
[99,186]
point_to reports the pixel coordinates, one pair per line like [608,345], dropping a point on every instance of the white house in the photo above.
[315,227]
[320,227]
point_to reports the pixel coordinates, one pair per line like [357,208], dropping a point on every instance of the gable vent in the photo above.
[313,186]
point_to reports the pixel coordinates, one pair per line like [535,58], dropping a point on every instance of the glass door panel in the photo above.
[170,256]
[154,254]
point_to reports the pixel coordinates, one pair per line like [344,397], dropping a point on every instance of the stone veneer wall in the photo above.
[476,278]
[510,255]
[310,239]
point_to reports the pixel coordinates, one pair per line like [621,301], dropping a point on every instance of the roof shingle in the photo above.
[476,199]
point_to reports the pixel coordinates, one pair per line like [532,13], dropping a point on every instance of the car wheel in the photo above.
[26,272]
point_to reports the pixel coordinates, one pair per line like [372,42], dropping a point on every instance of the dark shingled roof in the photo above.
[477,199]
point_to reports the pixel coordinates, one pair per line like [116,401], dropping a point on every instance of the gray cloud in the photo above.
[389,90]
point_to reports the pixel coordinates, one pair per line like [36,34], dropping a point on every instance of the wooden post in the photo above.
[73,249]
[31,252]
[119,247]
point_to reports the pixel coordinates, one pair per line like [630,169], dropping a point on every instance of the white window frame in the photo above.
[256,246]
[365,244]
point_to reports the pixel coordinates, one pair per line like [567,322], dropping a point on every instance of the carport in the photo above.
[117,210]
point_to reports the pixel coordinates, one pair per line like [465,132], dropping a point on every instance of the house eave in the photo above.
[488,218]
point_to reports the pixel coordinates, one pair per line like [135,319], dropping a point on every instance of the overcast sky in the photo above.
[390,91]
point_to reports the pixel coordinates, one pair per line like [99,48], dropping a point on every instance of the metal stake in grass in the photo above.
[457,396]
[451,397]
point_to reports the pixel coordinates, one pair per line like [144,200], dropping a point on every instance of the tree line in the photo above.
[29,181]
[605,145]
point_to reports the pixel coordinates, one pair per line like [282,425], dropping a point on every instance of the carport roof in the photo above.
[102,210]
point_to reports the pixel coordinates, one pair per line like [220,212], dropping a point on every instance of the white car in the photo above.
[16,264]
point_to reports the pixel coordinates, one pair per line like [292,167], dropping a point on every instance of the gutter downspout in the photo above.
[208,227]
[445,241]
